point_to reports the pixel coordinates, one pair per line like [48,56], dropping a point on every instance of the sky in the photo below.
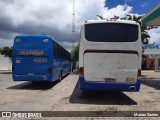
[54,17]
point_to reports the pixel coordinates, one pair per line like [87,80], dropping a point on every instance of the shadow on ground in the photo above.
[5,72]
[35,85]
[101,98]
[154,83]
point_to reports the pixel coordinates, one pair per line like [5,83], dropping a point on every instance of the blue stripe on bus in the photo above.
[104,86]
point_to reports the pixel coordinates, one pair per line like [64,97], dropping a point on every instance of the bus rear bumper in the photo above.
[104,86]
[32,78]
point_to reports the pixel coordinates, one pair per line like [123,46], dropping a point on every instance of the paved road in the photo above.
[65,96]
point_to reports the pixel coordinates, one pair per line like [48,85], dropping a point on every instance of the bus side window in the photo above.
[64,53]
[58,50]
[61,51]
[53,45]
[55,49]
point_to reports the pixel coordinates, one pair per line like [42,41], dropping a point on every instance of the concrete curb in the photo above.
[5,71]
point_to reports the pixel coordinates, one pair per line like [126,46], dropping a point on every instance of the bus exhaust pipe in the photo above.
[132,88]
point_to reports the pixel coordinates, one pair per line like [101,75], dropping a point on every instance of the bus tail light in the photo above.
[81,71]
[12,68]
[139,72]
[49,70]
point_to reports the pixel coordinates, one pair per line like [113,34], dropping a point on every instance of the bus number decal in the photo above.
[40,59]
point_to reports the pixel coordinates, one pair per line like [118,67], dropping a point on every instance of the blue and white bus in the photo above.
[39,58]
[110,55]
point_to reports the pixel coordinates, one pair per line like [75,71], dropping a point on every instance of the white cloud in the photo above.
[45,12]
[155,35]
[90,9]
[144,4]
[119,10]
[58,13]
[5,42]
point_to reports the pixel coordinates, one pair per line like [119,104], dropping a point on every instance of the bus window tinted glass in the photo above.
[111,32]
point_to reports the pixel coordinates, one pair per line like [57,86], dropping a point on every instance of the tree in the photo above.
[144,34]
[75,53]
[6,52]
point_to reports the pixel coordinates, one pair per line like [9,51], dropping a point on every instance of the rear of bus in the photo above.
[110,55]
[32,58]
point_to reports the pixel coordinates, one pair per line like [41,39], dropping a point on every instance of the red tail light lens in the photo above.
[49,70]
[81,71]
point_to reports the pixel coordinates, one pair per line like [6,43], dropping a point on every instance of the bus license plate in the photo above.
[30,73]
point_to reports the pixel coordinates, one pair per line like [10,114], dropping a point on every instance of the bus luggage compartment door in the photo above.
[110,67]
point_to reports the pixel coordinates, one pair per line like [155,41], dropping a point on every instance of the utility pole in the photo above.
[73,23]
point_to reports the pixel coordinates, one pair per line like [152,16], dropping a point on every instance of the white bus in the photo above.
[110,55]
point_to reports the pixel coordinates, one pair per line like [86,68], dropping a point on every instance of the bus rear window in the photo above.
[111,32]
[31,43]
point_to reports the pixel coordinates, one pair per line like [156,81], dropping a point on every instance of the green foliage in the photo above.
[144,34]
[75,53]
[6,52]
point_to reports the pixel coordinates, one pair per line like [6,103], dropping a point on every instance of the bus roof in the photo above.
[34,35]
[110,21]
